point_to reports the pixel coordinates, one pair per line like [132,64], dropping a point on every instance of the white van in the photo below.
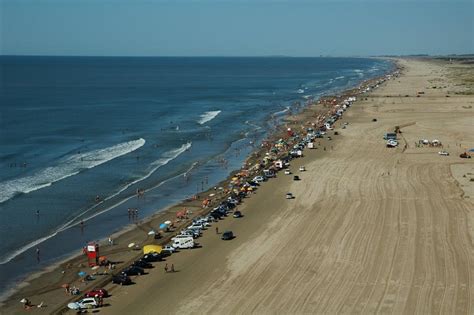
[183,242]
[180,236]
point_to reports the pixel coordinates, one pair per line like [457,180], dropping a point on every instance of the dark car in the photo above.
[121,279]
[227,235]
[133,271]
[142,264]
[152,257]
[296,177]
[97,293]
[237,214]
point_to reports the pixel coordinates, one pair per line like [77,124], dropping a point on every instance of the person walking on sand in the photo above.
[172,267]
[217,230]
[166,268]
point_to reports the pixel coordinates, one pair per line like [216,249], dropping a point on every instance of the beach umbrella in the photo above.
[23,300]
[95,267]
[168,222]
[163,226]
[151,232]
[131,245]
[81,274]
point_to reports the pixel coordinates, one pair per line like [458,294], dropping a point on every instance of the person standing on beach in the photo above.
[217,230]
[172,267]
[166,268]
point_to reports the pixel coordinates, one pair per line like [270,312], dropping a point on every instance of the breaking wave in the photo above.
[67,167]
[208,116]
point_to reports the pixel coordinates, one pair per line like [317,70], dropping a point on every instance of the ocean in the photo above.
[80,135]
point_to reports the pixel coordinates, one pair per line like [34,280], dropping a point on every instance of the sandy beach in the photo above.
[371,229]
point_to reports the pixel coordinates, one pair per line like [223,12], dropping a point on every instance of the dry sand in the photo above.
[371,230]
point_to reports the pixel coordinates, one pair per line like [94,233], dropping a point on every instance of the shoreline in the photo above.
[127,233]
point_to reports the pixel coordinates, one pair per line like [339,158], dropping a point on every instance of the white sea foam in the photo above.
[359,72]
[208,116]
[338,78]
[281,112]
[165,159]
[67,167]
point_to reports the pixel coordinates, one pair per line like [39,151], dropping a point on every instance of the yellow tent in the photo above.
[152,249]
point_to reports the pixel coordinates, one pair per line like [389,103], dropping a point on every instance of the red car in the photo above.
[97,292]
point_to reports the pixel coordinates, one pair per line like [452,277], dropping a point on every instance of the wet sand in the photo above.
[371,229]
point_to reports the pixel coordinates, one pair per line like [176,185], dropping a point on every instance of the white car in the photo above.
[258,179]
[83,304]
[445,153]
[169,248]
[289,196]
[392,143]
[196,226]
[302,169]
[287,172]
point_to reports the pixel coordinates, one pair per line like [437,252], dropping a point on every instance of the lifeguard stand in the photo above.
[92,252]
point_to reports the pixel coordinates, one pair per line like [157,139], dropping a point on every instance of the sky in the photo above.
[236,27]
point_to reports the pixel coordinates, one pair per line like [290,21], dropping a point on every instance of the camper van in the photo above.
[183,242]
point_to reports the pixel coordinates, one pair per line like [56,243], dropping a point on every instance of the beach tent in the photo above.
[152,249]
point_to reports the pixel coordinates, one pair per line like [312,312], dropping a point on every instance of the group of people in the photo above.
[132,213]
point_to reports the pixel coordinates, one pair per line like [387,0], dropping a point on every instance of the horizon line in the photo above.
[241,56]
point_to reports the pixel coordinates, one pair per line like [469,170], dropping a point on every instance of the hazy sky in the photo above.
[236,28]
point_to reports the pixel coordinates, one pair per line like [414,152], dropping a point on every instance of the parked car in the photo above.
[445,153]
[227,235]
[296,177]
[237,214]
[133,271]
[97,293]
[121,279]
[85,303]
[167,250]
[302,169]
[289,196]
[258,179]
[196,225]
[287,172]
[152,257]
[392,143]
[142,264]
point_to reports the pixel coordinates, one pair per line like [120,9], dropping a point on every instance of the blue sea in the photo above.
[76,128]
